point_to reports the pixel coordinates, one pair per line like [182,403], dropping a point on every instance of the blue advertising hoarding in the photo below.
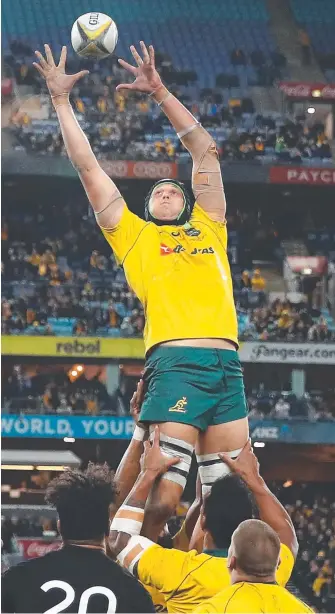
[111,427]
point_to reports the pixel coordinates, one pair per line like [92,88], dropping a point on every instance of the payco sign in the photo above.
[288,353]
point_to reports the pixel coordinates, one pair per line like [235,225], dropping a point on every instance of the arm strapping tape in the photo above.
[118,195]
[183,133]
[128,520]
[133,551]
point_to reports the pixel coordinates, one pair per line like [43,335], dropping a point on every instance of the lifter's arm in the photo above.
[270,509]
[206,176]
[129,467]
[128,520]
[101,191]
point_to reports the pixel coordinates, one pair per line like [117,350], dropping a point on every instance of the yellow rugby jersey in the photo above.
[253,598]
[180,274]
[186,579]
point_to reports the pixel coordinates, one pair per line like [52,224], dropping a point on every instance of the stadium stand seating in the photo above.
[318,19]
[217,26]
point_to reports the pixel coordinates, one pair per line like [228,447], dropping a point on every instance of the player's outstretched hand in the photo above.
[146,76]
[153,459]
[136,401]
[56,79]
[246,464]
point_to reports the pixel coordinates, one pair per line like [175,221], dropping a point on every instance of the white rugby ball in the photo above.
[94,35]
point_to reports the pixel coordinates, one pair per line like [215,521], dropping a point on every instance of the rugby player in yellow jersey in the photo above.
[186,579]
[176,262]
[253,559]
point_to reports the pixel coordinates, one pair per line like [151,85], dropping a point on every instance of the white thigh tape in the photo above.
[176,447]
[212,468]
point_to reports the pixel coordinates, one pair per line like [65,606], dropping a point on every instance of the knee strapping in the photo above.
[212,468]
[173,447]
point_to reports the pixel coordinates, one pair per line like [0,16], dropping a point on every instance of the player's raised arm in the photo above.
[101,191]
[270,509]
[126,527]
[206,176]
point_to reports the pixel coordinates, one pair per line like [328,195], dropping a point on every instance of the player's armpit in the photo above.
[207,181]
[103,195]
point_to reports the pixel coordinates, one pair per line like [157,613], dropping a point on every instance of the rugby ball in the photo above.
[94,35]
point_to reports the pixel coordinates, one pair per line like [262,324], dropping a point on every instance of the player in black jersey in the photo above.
[79,577]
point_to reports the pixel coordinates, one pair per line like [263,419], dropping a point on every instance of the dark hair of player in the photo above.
[82,500]
[228,504]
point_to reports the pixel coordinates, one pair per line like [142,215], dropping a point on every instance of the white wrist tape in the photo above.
[128,520]
[139,433]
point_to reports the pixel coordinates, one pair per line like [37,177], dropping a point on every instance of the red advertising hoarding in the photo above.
[33,548]
[307,91]
[302,175]
[119,169]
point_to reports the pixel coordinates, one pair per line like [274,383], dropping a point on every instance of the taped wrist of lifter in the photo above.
[140,433]
[128,519]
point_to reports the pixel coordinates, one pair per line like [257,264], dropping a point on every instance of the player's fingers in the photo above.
[42,61]
[136,55]
[147,446]
[172,461]
[127,66]
[62,59]
[146,57]
[124,86]
[49,55]
[155,442]
[152,55]
[39,68]
[228,460]
[80,75]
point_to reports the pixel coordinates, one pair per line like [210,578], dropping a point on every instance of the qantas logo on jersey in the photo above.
[165,250]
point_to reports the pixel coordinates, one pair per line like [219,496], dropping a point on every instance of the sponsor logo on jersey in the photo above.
[179,406]
[165,250]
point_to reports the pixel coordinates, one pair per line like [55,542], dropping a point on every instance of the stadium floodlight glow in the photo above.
[74,373]
[69,439]
[80,368]
[17,467]
[259,444]
[311,110]
[51,467]
[307,271]
[287,484]
[316,93]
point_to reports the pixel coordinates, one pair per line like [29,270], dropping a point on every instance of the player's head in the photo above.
[254,552]
[82,500]
[228,504]
[168,203]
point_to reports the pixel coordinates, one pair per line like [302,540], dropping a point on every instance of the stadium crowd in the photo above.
[53,284]
[120,125]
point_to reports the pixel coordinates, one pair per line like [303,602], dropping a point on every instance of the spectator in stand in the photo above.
[257,281]
[281,409]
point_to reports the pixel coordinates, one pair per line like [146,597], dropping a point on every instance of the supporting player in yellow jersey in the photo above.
[185,579]
[254,556]
[176,262]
